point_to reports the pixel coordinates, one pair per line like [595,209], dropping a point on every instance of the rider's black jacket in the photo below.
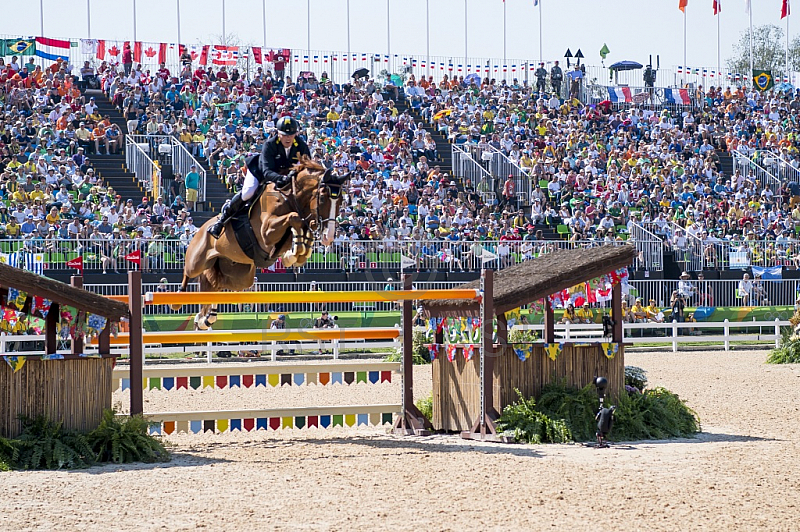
[273,159]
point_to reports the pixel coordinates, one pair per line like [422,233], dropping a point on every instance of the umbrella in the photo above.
[784,87]
[472,78]
[361,73]
[397,79]
[625,65]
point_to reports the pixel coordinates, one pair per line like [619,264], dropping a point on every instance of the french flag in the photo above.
[679,96]
[52,49]
[620,94]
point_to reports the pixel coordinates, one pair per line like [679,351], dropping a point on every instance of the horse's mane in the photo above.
[305,163]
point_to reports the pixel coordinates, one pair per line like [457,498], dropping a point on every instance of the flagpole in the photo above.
[388,35]
[134,20]
[684,46]
[504,32]
[178,5]
[427,31]
[89,21]
[308,28]
[264,21]
[224,33]
[41,18]
[787,42]
[750,12]
[348,28]
[719,49]
[465,32]
[541,53]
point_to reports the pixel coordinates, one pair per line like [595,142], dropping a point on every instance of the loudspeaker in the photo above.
[166,172]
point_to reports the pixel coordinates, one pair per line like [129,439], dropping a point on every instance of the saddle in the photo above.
[245,234]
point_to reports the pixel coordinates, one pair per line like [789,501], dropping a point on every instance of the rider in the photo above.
[280,152]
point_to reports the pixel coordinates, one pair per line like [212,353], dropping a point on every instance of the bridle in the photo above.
[334,193]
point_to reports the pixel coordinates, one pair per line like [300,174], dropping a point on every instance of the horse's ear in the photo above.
[342,179]
[327,177]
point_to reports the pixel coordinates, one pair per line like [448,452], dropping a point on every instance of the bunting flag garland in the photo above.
[54,356]
[16,298]
[11,319]
[68,321]
[41,306]
[90,355]
[553,350]
[522,351]
[433,351]
[469,351]
[16,362]
[451,352]
[609,349]
[95,324]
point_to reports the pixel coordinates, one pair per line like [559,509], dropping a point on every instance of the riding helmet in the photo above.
[287,125]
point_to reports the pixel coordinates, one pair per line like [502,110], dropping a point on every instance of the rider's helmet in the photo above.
[287,125]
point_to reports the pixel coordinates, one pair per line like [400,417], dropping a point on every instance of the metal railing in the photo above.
[650,247]
[168,149]
[160,254]
[689,254]
[493,166]
[138,161]
[467,165]
[750,168]
[182,161]
[745,253]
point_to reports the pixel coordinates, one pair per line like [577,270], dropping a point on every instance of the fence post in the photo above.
[777,333]
[209,353]
[674,336]
[274,350]
[336,349]
[727,332]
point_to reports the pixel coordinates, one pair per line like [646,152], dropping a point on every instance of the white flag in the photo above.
[89,46]
[488,256]
[407,262]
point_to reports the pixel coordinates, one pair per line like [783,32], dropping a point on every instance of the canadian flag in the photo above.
[197,52]
[137,51]
[135,257]
[257,57]
[224,55]
[101,50]
[76,263]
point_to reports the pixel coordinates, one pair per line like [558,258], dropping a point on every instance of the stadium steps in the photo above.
[442,145]
[726,163]
[111,168]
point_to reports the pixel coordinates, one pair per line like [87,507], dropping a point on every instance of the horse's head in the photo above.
[319,192]
[330,201]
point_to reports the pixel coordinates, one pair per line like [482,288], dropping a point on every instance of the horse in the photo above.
[285,226]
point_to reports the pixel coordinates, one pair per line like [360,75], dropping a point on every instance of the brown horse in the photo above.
[285,226]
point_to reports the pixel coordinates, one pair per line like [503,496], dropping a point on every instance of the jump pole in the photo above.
[410,421]
[136,343]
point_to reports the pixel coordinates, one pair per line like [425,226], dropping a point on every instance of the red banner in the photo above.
[257,55]
[76,263]
[224,55]
[135,257]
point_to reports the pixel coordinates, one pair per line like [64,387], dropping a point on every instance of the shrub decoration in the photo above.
[44,444]
[789,350]
[564,414]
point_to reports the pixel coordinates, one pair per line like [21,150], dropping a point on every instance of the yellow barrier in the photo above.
[286,335]
[216,298]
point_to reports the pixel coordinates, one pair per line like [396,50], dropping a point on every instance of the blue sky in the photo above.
[633,29]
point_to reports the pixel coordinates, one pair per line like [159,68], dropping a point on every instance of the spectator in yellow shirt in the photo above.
[37,192]
[12,228]
[585,314]
[654,314]
[332,115]
[638,311]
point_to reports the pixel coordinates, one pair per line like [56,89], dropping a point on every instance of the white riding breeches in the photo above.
[250,186]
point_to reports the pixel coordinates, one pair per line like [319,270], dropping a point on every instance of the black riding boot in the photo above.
[229,210]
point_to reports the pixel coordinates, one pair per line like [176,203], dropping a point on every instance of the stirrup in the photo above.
[216,229]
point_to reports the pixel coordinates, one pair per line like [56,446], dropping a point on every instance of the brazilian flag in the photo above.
[762,80]
[17,47]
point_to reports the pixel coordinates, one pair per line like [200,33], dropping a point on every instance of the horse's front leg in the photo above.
[299,247]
